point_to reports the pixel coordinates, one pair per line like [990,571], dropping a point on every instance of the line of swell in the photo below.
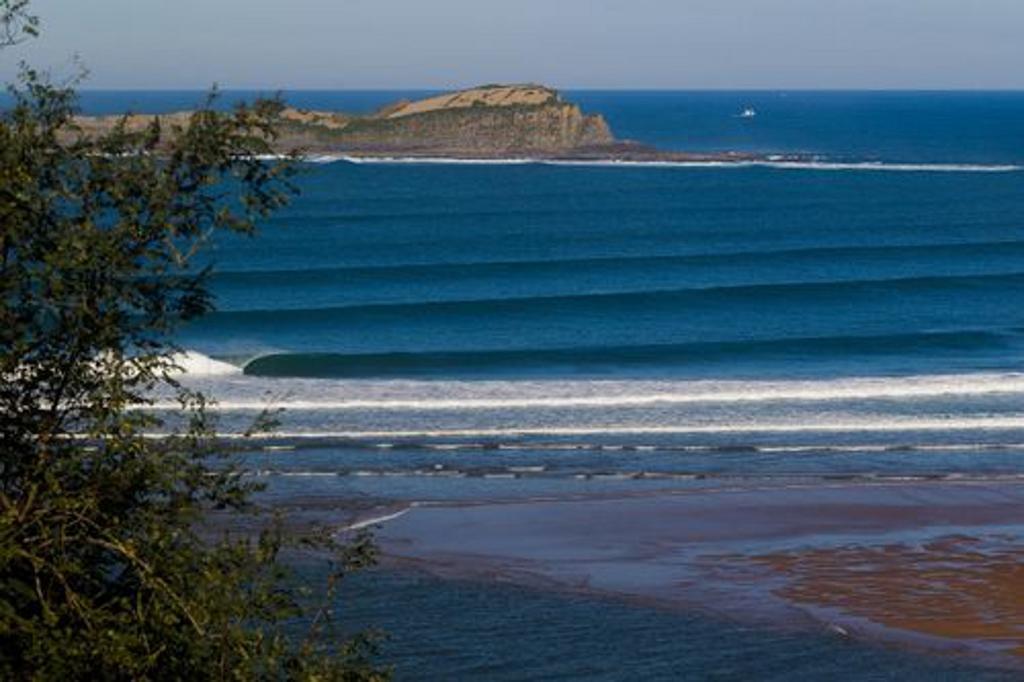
[759,292]
[339,365]
[961,250]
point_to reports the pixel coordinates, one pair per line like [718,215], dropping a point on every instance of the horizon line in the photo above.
[249,88]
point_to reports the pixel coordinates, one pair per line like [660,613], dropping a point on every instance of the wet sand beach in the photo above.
[933,565]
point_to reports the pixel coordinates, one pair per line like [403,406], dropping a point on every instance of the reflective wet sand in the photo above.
[933,564]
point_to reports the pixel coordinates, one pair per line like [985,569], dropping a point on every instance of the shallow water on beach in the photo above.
[454,474]
[472,630]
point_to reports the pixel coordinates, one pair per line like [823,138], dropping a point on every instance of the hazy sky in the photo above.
[566,43]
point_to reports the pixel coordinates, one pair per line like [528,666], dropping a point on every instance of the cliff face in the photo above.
[489,121]
[482,121]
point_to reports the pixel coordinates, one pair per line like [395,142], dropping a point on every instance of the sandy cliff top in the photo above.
[487,96]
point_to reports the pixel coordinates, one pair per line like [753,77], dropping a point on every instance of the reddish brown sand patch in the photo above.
[957,587]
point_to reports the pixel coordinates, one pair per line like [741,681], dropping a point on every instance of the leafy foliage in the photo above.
[108,568]
[16,22]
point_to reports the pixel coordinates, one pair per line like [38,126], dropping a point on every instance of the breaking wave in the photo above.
[192,363]
[604,394]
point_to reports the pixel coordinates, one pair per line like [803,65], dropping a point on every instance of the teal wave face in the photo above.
[603,360]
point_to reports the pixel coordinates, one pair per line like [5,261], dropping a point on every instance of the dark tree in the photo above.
[108,567]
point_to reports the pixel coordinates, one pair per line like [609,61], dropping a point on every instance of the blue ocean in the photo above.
[491,331]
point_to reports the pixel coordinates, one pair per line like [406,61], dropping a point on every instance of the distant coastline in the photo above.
[489,123]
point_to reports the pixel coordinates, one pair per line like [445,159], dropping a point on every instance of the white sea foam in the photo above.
[434,161]
[197,364]
[805,165]
[874,425]
[475,396]
[376,520]
[781,164]
[896,167]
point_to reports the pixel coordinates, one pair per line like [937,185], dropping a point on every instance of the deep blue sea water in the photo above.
[470,332]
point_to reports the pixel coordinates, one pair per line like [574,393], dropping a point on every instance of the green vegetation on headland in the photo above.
[109,567]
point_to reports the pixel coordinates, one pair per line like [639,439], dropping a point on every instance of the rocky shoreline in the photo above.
[620,152]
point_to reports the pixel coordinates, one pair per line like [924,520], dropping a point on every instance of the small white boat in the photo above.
[749,112]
